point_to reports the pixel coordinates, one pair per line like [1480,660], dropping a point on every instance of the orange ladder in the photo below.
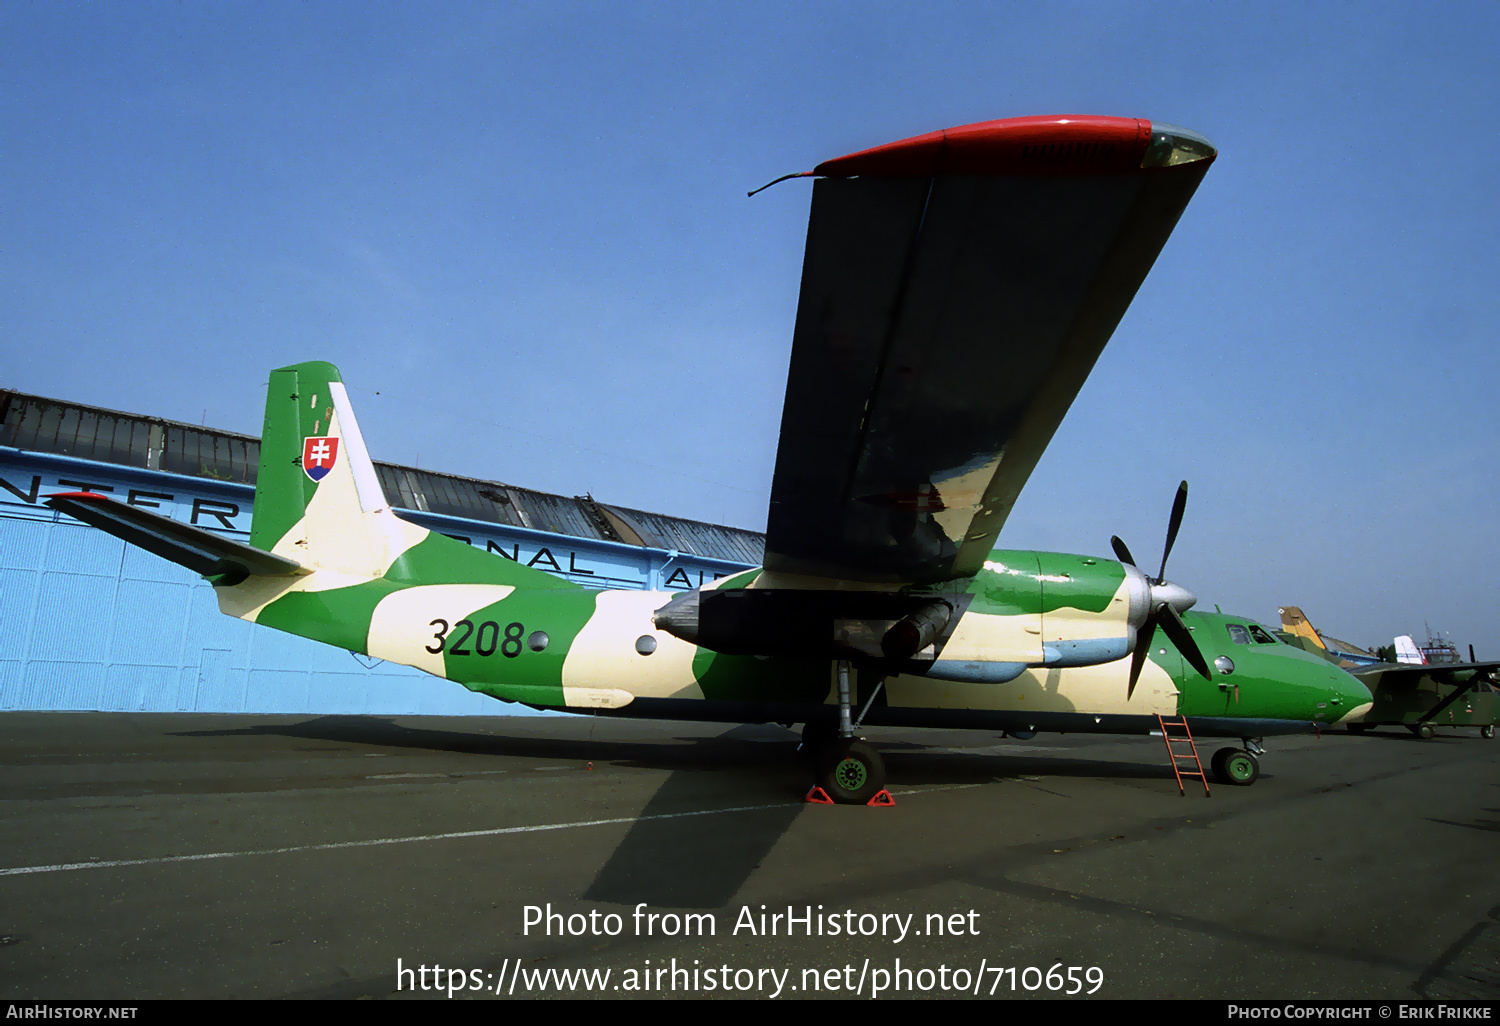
[1181,760]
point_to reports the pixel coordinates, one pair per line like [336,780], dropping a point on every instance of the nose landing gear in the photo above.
[1237,766]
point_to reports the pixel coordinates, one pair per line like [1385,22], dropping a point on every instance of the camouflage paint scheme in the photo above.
[1404,695]
[389,589]
[957,289]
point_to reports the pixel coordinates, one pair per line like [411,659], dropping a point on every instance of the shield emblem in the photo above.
[319,454]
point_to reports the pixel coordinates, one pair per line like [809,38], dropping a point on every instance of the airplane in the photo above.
[1408,652]
[1296,623]
[1410,692]
[957,289]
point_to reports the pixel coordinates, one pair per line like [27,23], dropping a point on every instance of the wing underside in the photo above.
[952,306]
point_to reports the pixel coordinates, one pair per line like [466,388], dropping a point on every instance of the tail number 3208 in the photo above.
[485,638]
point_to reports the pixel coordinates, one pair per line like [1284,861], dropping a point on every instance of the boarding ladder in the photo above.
[1184,763]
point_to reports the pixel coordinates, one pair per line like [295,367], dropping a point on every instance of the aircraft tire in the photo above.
[1235,766]
[1487,731]
[851,771]
[1424,731]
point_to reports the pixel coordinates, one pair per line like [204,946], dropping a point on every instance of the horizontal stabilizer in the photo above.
[201,551]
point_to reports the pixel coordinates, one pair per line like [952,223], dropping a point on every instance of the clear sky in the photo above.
[521,230]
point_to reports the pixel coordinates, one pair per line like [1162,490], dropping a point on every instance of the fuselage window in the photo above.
[1238,634]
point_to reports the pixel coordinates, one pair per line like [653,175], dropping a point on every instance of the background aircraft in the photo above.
[957,288]
[1409,692]
[1348,656]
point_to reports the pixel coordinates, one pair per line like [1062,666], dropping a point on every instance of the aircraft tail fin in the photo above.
[317,498]
[1407,651]
[1294,622]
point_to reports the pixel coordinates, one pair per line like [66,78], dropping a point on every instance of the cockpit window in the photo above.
[1238,634]
[1260,636]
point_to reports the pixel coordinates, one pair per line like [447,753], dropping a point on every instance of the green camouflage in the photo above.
[387,588]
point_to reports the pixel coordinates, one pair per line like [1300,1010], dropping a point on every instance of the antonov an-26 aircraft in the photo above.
[956,290]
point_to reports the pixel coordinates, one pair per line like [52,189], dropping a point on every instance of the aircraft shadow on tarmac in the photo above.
[1398,733]
[756,765]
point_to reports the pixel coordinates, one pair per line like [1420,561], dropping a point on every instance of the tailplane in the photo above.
[320,522]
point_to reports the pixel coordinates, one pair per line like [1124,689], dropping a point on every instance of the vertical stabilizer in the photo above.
[1407,651]
[1295,623]
[317,499]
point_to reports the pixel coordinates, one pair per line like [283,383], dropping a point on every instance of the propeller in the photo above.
[1163,602]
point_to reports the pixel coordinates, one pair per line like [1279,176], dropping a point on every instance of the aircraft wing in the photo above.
[1443,673]
[201,551]
[957,289]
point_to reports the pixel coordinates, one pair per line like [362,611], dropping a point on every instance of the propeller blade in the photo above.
[1178,633]
[1179,506]
[1138,657]
[1122,551]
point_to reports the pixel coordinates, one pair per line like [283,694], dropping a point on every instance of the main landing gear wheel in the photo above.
[851,771]
[1487,731]
[1235,766]
[1424,731]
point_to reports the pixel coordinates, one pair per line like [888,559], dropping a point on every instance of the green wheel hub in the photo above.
[850,771]
[1235,766]
[851,774]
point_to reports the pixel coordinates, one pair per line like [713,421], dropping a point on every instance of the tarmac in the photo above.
[206,856]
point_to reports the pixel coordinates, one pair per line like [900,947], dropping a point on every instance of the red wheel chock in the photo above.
[818,796]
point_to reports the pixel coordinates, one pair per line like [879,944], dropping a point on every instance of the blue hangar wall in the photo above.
[90,623]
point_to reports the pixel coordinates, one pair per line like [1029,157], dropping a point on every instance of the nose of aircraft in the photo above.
[1352,696]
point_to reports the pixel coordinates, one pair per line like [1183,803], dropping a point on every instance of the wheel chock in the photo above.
[818,796]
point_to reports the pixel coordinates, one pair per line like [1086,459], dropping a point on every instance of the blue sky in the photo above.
[521,231]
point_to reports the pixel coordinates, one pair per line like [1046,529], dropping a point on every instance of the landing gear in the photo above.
[1487,731]
[1235,766]
[849,770]
[1424,731]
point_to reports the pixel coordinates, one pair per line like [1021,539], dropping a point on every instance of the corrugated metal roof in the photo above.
[694,537]
[108,436]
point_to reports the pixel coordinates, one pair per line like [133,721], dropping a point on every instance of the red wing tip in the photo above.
[80,496]
[1047,145]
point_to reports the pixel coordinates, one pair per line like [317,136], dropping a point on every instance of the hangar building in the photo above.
[90,623]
